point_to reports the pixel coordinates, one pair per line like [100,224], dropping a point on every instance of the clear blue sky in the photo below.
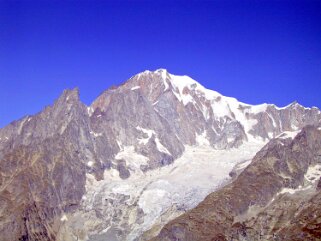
[256,51]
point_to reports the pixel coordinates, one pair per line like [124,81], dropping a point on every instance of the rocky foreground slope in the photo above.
[277,197]
[77,172]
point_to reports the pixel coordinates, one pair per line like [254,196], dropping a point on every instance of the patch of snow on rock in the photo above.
[313,173]
[63,218]
[294,190]
[96,134]
[21,125]
[160,147]
[270,135]
[135,88]
[146,131]
[202,140]
[288,134]
[164,77]
[90,111]
[133,159]
[243,165]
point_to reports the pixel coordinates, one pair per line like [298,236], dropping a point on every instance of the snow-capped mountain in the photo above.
[190,111]
[140,155]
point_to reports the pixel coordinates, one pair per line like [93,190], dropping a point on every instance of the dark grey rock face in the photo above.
[43,172]
[319,184]
[44,158]
[121,168]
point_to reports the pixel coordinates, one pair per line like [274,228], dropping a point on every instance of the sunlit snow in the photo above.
[133,159]
[202,140]
[96,134]
[313,174]
[292,191]
[90,163]
[135,88]
[288,134]
[63,218]
[221,106]
[183,184]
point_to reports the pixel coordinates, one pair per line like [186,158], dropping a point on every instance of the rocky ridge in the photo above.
[275,198]
[46,158]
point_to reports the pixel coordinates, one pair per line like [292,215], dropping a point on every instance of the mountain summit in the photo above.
[123,165]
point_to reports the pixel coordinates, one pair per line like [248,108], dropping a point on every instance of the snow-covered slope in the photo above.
[116,209]
[158,113]
[190,91]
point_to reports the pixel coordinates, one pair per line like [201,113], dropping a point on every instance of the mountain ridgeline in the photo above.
[45,158]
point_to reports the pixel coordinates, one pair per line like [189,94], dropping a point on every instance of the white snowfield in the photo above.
[181,185]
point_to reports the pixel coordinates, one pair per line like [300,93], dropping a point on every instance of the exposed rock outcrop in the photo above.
[274,198]
[42,170]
